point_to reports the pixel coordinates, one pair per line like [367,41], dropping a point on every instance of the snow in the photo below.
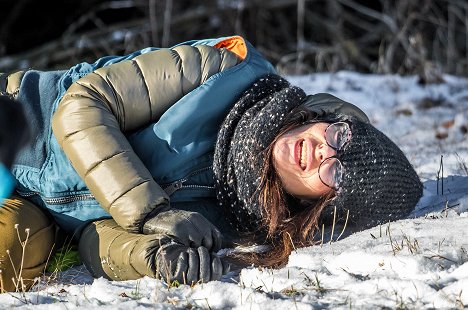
[419,262]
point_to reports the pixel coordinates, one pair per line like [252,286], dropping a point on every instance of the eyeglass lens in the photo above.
[337,135]
[331,170]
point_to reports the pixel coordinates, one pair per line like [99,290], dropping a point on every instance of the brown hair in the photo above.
[288,222]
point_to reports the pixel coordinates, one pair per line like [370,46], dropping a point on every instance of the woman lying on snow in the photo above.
[156,160]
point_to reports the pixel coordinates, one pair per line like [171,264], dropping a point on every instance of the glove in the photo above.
[109,251]
[191,229]
[177,262]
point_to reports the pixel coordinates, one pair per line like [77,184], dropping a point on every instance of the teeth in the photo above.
[299,152]
[303,155]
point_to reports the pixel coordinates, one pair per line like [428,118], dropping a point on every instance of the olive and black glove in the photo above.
[109,251]
[177,262]
[186,227]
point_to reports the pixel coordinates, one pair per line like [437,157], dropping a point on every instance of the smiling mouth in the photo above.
[302,155]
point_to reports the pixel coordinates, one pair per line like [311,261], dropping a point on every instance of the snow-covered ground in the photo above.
[420,262]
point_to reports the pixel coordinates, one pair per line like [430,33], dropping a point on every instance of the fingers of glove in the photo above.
[195,236]
[199,231]
[205,264]
[226,266]
[182,232]
[206,240]
[187,228]
[210,238]
[204,233]
[181,268]
[216,267]
[164,268]
[167,259]
[182,238]
[193,266]
[213,239]
[217,240]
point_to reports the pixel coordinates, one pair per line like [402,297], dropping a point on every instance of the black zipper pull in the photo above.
[173,187]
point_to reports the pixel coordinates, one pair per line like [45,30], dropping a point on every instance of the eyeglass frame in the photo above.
[338,150]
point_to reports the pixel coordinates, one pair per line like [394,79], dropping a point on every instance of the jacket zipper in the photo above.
[169,189]
[59,200]
[178,184]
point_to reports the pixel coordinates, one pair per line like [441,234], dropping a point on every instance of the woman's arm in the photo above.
[98,109]
[111,252]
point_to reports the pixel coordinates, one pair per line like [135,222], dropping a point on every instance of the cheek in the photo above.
[277,161]
[318,188]
[282,155]
[280,161]
[278,152]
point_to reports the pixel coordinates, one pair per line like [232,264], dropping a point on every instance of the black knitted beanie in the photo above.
[379,185]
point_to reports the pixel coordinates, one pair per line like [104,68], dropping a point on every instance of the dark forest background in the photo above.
[423,37]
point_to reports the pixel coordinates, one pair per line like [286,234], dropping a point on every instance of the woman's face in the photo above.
[297,155]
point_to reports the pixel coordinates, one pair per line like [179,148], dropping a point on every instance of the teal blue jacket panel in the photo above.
[177,149]
[188,129]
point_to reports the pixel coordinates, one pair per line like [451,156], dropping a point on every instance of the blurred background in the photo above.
[422,37]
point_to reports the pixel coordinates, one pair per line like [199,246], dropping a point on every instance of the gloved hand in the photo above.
[109,251]
[177,262]
[188,228]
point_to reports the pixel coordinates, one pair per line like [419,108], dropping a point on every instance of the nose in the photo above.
[324,151]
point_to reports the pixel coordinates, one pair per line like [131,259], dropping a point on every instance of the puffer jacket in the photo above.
[131,135]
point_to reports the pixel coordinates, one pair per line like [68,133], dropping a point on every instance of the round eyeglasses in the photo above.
[331,170]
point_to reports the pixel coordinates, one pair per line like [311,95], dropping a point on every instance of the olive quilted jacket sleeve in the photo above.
[98,109]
